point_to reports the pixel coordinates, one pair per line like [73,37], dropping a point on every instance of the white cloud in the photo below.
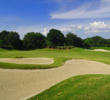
[105,1]
[46,30]
[71,28]
[102,11]
[65,29]
[80,27]
[97,27]
[93,27]
[25,29]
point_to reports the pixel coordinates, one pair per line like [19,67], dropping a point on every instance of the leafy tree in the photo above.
[29,41]
[73,40]
[14,40]
[33,40]
[96,41]
[55,38]
[41,43]
[108,42]
[10,40]
[3,39]
[79,42]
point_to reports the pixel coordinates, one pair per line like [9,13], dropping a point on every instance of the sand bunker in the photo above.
[22,84]
[27,60]
[99,50]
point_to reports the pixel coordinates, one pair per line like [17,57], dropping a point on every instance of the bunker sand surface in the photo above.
[102,50]
[22,84]
[27,60]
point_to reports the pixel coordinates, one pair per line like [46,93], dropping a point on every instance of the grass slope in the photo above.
[59,56]
[83,87]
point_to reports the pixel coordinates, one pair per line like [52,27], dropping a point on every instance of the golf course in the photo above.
[53,74]
[55,50]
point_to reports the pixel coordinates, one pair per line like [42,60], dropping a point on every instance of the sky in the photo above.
[85,18]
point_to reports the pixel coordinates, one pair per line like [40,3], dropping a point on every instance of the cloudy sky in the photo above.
[85,18]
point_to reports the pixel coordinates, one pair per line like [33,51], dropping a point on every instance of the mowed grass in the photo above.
[83,87]
[106,48]
[59,56]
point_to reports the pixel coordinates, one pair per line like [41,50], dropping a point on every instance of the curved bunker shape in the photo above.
[22,84]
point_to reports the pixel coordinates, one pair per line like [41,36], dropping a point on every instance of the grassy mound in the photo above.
[83,87]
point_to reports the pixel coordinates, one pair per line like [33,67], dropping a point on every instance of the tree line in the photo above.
[54,39]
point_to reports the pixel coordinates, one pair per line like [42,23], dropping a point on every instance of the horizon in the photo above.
[83,18]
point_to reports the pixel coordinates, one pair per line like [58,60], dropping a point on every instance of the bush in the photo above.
[64,47]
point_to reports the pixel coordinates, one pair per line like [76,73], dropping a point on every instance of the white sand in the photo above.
[27,60]
[102,50]
[21,84]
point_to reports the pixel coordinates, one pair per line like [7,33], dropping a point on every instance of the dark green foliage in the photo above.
[97,41]
[10,40]
[14,40]
[29,41]
[41,43]
[33,40]
[73,40]
[55,38]
[64,47]
[108,42]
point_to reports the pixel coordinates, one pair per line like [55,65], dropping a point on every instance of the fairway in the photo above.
[59,57]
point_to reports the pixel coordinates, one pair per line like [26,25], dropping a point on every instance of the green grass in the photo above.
[105,48]
[83,87]
[59,56]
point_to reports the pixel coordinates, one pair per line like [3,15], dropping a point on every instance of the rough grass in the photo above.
[83,87]
[59,56]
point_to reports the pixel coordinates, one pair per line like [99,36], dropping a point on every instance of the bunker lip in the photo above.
[102,50]
[22,84]
[27,60]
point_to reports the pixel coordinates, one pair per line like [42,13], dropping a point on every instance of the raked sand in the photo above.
[22,84]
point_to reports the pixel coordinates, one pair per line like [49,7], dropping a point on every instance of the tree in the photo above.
[14,40]
[55,38]
[33,40]
[79,42]
[96,41]
[108,42]
[3,39]
[41,43]
[73,40]
[10,40]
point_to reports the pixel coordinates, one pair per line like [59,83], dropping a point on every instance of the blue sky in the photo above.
[85,18]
